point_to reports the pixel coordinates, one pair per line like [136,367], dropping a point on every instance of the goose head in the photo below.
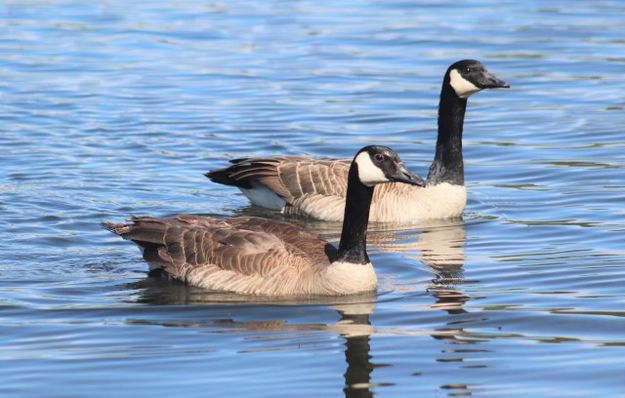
[469,76]
[376,164]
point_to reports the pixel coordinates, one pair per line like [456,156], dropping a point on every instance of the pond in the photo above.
[112,109]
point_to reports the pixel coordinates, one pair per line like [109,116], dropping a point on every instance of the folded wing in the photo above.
[289,177]
[244,255]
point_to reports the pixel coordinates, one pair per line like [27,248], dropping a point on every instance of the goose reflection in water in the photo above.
[354,324]
[441,248]
[439,245]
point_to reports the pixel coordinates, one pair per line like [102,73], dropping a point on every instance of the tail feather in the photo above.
[244,171]
[161,240]
[239,160]
[141,230]
[118,229]
[224,176]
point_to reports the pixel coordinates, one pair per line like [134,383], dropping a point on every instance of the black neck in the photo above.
[448,165]
[353,244]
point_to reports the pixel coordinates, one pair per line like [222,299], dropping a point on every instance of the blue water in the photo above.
[111,109]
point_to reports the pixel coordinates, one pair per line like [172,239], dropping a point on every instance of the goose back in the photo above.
[289,177]
[245,255]
[317,188]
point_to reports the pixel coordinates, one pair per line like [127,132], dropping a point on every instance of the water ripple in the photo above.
[118,108]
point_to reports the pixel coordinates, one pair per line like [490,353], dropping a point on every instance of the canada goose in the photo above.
[250,255]
[317,187]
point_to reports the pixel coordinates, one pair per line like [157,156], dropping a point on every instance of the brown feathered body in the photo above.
[317,188]
[245,255]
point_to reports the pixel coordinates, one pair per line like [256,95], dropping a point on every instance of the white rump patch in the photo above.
[368,173]
[262,196]
[461,86]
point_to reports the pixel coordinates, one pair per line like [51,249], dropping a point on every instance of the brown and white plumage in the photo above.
[296,181]
[250,255]
[317,187]
[244,255]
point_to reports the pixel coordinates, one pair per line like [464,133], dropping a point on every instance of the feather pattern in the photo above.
[250,255]
[245,255]
[322,196]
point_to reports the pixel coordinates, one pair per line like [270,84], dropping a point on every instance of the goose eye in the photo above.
[378,157]
[467,69]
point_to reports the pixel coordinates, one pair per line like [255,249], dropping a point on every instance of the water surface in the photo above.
[118,108]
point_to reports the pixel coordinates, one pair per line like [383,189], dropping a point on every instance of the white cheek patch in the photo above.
[369,173]
[461,86]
